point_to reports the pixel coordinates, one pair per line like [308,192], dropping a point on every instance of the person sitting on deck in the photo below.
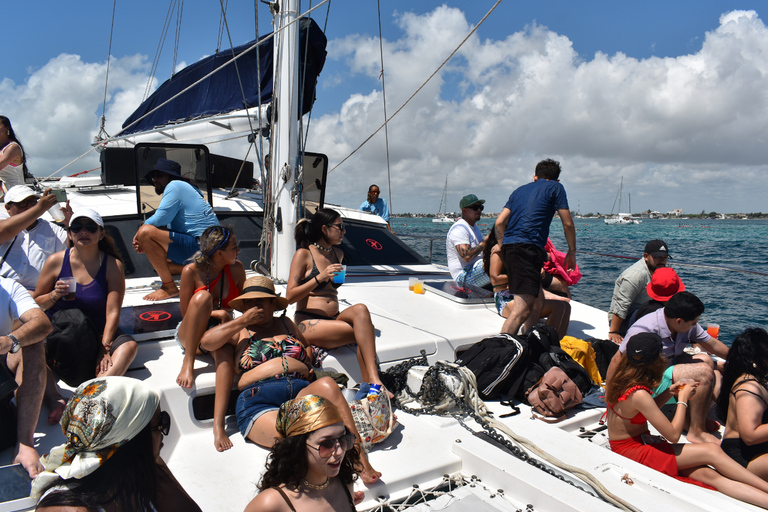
[26,239]
[664,284]
[111,460]
[93,260]
[274,361]
[631,406]
[630,293]
[207,287]
[557,312]
[743,406]
[184,210]
[311,287]
[376,205]
[313,464]
[23,326]
[677,325]
[464,245]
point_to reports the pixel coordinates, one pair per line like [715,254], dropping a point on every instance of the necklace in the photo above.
[322,248]
[318,487]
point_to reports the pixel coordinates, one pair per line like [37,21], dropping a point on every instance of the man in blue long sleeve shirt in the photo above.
[185,214]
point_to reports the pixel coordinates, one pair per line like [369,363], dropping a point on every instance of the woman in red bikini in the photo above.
[311,287]
[631,406]
[207,286]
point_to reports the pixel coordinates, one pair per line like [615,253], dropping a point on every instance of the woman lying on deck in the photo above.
[312,466]
[312,288]
[631,406]
[743,401]
[207,287]
[275,363]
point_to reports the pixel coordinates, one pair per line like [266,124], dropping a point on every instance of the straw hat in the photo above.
[258,287]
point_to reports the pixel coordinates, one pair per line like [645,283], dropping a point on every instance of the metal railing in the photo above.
[424,237]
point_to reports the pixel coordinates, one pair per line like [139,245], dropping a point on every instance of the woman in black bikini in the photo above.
[311,287]
[207,285]
[745,407]
[312,466]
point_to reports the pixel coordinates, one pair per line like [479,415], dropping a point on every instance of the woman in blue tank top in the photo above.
[94,262]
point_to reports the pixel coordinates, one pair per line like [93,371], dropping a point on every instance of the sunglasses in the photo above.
[327,447]
[77,227]
[30,201]
[477,207]
[165,424]
[340,225]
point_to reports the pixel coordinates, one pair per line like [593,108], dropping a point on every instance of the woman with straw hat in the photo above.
[275,365]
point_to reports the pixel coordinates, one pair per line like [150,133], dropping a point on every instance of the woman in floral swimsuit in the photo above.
[631,406]
[275,365]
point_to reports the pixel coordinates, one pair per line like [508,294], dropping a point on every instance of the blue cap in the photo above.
[167,166]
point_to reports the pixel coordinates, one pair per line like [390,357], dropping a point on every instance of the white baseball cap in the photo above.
[19,193]
[88,213]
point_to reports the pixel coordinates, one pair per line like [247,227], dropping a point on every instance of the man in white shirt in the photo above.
[26,240]
[465,243]
[23,326]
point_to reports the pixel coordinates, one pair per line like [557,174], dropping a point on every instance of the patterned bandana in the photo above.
[306,414]
[102,415]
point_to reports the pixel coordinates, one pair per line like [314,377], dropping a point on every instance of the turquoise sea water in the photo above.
[735,300]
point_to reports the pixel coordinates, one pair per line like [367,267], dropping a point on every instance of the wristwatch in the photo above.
[16,346]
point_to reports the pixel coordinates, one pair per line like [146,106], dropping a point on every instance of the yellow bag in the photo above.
[583,353]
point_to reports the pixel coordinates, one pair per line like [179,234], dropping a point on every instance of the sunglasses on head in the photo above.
[164,425]
[328,446]
[78,226]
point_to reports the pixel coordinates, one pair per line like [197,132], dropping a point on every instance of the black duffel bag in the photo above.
[499,364]
[72,348]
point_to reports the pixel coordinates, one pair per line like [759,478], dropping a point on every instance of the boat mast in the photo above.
[284,159]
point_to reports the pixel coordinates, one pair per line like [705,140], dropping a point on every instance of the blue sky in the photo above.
[606,60]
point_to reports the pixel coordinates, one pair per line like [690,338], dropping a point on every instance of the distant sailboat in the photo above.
[621,218]
[442,217]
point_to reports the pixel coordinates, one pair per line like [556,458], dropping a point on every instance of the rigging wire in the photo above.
[158,51]
[325,26]
[177,36]
[221,27]
[106,80]
[682,263]
[384,100]
[420,87]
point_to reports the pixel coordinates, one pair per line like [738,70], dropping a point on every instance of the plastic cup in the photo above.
[339,277]
[72,284]
[412,282]
[55,212]
[713,330]
[418,287]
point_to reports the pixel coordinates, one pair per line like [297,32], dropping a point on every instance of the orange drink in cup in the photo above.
[713,330]
[418,287]
[412,282]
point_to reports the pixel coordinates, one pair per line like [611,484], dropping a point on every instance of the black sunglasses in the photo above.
[340,225]
[477,207]
[77,227]
[165,423]
[327,447]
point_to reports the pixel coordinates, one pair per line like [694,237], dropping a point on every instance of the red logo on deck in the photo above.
[155,316]
[373,244]
[460,289]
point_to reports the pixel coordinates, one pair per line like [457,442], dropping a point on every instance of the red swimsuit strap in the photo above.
[631,390]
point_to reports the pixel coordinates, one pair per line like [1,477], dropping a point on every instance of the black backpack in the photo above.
[499,364]
[604,352]
[72,348]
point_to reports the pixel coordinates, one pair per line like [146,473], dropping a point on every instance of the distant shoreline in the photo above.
[705,216]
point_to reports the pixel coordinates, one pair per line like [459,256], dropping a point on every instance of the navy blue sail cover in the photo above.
[221,92]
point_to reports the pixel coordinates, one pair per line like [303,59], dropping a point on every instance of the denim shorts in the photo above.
[182,247]
[264,396]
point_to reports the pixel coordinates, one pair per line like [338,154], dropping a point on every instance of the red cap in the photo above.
[664,284]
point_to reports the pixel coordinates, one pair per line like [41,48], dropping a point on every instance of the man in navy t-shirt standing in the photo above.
[522,229]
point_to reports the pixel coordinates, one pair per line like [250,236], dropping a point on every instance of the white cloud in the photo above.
[684,132]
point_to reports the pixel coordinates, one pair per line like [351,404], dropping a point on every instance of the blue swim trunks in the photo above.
[182,247]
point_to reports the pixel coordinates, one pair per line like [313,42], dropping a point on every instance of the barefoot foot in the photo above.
[358,497]
[56,411]
[186,376]
[29,459]
[166,291]
[221,440]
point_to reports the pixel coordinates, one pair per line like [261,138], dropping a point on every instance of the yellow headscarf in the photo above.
[306,414]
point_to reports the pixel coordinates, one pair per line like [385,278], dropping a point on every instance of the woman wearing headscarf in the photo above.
[111,461]
[312,465]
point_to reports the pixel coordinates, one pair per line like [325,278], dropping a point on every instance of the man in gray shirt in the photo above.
[630,292]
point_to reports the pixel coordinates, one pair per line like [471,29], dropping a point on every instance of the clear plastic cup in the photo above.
[56,213]
[411,282]
[713,330]
[418,287]
[339,277]
[72,284]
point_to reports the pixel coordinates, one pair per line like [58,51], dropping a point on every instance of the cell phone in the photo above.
[61,195]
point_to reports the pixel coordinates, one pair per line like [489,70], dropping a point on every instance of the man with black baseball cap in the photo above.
[630,291]
[170,236]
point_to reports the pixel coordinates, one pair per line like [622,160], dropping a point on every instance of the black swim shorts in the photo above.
[523,263]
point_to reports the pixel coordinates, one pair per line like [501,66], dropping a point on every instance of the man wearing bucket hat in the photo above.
[465,243]
[26,240]
[630,290]
[664,284]
[170,236]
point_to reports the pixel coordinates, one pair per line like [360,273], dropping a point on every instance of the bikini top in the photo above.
[261,351]
[290,505]
[637,419]
[232,292]
[314,273]
[765,412]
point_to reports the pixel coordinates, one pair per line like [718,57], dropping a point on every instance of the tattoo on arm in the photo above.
[302,327]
